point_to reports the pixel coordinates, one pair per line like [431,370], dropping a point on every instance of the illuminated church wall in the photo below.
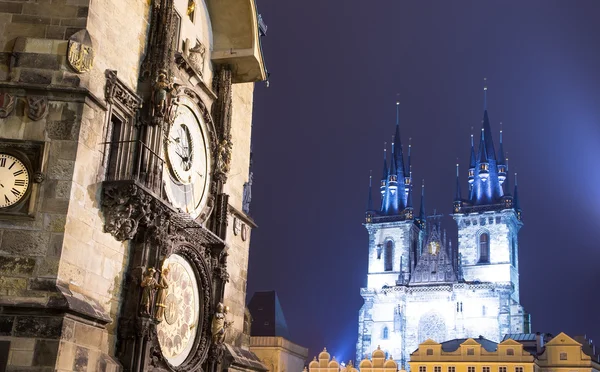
[418,286]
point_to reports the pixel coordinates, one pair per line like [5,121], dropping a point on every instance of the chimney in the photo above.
[539,343]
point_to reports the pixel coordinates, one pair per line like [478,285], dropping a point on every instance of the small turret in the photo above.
[502,168]
[384,177]
[516,204]
[472,164]
[422,218]
[408,172]
[457,196]
[370,212]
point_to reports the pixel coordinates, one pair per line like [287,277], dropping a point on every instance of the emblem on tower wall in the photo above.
[80,52]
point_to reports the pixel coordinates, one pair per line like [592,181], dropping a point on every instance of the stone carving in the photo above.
[220,324]
[161,296]
[39,177]
[37,107]
[7,105]
[80,52]
[160,96]
[149,285]
[247,197]
[197,54]
[125,208]
[116,92]
[224,156]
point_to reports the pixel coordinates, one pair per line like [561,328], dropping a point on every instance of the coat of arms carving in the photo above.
[80,52]
[197,54]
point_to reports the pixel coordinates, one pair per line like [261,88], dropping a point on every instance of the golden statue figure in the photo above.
[163,291]
[219,324]
[149,285]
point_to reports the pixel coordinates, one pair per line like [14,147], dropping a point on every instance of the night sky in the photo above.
[337,69]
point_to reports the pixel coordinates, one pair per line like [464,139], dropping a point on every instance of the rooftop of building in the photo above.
[453,345]
[267,316]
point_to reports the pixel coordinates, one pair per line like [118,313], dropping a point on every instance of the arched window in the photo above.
[484,248]
[388,255]
[385,333]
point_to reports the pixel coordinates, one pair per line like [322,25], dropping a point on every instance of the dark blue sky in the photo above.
[337,67]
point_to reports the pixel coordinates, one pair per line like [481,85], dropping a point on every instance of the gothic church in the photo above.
[419,287]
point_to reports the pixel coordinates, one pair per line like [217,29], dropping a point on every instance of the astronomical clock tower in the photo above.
[125,132]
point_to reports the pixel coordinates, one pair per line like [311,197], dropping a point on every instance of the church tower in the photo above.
[490,219]
[419,286]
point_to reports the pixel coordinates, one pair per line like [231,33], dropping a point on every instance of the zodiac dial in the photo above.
[176,333]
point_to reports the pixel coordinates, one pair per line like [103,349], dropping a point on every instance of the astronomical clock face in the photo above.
[177,331]
[186,177]
[14,180]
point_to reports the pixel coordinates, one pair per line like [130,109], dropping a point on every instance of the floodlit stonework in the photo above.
[89,92]
[419,286]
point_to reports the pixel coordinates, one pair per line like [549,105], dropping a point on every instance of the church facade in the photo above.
[419,286]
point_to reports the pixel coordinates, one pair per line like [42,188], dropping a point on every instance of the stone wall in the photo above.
[279,354]
[237,262]
[401,234]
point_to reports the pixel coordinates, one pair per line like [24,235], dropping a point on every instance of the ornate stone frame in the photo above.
[200,260]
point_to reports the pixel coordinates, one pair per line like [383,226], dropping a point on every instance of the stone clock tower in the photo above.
[124,180]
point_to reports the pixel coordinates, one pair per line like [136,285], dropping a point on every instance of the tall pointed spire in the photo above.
[385,167]
[384,177]
[393,171]
[370,199]
[501,155]
[398,154]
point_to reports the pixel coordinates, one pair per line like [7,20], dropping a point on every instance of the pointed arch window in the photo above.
[513,252]
[484,248]
[385,333]
[388,256]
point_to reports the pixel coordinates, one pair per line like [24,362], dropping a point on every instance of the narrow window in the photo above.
[114,158]
[429,351]
[563,356]
[483,313]
[513,252]
[484,248]
[470,351]
[177,27]
[389,255]
[385,333]
[510,352]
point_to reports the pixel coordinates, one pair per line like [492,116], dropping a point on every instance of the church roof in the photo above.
[453,345]
[267,316]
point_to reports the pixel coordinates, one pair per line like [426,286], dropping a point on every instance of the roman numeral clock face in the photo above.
[14,180]
[187,174]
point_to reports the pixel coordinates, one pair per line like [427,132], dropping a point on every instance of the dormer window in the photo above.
[563,356]
[510,351]
[470,351]
[429,351]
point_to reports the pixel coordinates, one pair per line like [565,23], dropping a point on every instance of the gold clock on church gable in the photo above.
[187,174]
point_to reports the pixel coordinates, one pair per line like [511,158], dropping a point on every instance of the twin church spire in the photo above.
[488,174]
[396,181]
[487,177]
